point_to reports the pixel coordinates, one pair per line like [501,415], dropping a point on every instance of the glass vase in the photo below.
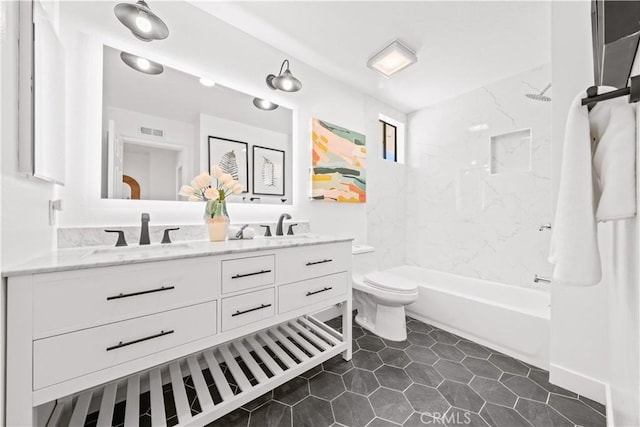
[216,218]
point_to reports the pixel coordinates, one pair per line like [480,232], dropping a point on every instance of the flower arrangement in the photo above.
[201,189]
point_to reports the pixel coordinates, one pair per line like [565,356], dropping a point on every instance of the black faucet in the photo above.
[144,229]
[279,231]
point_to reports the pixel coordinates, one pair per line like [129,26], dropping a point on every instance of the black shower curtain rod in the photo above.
[633,90]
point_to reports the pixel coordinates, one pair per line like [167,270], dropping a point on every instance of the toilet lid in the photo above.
[390,282]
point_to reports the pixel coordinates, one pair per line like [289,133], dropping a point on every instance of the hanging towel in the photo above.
[613,130]
[592,187]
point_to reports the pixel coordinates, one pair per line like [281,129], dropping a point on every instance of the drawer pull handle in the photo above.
[133,294]
[319,262]
[325,289]
[238,312]
[124,344]
[238,276]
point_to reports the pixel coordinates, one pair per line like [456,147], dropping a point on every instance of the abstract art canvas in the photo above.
[339,160]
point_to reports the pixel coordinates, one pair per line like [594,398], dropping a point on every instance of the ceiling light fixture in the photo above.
[141,21]
[285,80]
[141,64]
[263,104]
[392,59]
[207,82]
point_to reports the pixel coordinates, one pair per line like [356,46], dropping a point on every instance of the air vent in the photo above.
[151,132]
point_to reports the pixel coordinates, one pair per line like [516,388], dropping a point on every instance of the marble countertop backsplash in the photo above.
[100,256]
[76,237]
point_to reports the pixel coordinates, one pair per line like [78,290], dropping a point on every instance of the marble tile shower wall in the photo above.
[478,187]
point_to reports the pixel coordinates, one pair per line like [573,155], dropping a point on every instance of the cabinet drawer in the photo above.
[297,264]
[68,356]
[308,292]
[65,302]
[245,273]
[247,308]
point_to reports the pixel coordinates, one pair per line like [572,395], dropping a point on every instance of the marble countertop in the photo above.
[91,257]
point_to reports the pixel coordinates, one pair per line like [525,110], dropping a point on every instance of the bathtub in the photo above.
[509,319]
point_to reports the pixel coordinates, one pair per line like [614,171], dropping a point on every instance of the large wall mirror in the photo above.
[160,130]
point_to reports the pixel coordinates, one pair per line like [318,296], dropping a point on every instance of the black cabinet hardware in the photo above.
[239,276]
[238,312]
[133,294]
[124,344]
[325,289]
[319,262]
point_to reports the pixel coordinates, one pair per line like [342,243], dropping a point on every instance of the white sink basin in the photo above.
[286,237]
[141,250]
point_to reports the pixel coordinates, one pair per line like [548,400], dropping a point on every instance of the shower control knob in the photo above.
[544,227]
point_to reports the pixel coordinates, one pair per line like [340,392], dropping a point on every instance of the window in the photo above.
[389,141]
[392,133]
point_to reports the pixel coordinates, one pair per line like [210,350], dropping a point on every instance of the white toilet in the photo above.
[380,296]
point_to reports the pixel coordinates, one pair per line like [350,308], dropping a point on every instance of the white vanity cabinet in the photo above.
[82,339]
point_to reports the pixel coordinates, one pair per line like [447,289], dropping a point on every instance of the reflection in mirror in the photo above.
[159,131]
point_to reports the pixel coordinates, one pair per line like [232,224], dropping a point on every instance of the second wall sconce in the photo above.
[284,81]
[141,21]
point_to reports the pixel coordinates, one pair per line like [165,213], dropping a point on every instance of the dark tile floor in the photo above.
[432,378]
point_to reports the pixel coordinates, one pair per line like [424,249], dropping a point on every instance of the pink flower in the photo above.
[186,190]
[201,181]
[237,189]
[211,194]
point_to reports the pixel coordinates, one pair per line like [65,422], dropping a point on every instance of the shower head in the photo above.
[540,96]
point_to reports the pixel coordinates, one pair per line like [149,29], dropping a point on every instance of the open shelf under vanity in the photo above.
[204,386]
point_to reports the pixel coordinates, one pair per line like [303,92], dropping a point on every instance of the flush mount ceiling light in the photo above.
[392,59]
[284,80]
[141,64]
[263,104]
[141,21]
[207,82]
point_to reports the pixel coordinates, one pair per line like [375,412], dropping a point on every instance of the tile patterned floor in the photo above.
[432,372]
[434,378]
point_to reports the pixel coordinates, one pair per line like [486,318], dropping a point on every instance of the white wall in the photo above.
[128,123]
[25,201]
[236,60]
[223,128]
[462,217]
[386,195]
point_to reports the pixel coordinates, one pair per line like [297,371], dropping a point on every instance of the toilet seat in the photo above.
[385,281]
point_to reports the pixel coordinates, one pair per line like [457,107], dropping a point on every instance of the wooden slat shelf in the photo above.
[220,381]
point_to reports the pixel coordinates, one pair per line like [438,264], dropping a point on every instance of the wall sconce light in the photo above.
[141,21]
[141,64]
[284,81]
[263,104]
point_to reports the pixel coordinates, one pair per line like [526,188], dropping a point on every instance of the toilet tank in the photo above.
[363,260]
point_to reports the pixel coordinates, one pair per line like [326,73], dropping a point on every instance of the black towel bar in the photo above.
[633,90]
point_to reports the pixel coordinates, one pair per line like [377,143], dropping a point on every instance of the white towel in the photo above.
[613,129]
[604,183]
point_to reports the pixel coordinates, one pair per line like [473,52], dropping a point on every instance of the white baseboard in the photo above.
[578,383]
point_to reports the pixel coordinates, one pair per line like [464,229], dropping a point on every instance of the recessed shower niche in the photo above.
[511,152]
